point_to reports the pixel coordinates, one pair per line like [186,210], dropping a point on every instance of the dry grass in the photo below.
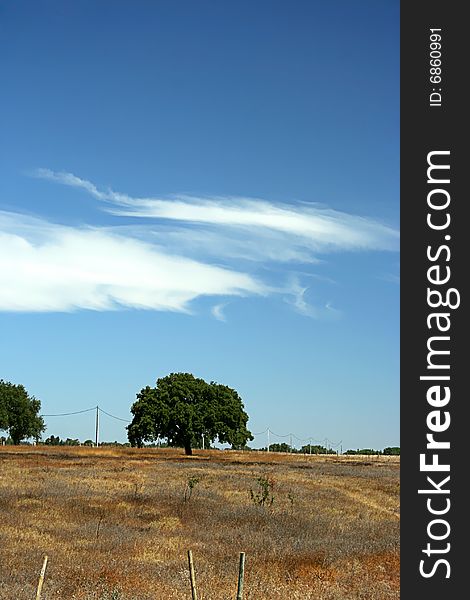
[115,525]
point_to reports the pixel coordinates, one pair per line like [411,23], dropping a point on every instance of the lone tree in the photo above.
[183,409]
[19,412]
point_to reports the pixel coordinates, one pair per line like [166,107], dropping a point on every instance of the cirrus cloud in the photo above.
[185,247]
[49,267]
[298,229]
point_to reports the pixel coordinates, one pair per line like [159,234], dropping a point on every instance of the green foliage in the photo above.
[364,451]
[19,412]
[72,442]
[316,449]
[190,485]
[291,497]
[262,495]
[308,449]
[183,408]
[281,448]
[3,406]
[52,440]
[392,451]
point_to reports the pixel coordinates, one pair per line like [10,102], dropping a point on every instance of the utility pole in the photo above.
[97,427]
[290,442]
[203,441]
[268,439]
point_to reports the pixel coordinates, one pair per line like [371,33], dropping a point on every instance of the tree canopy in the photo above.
[392,451]
[183,409]
[19,412]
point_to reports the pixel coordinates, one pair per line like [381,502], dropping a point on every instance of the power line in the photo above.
[267,430]
[280,436]
[113,416]
[261,432]
[333,445]
[77,412]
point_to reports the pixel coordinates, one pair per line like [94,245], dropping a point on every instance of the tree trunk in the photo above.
[187,448]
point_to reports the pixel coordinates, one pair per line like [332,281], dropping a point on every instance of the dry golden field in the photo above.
[116,524]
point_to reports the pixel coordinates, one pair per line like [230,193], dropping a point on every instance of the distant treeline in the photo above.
[311,449]
[308,449]
[55,440]
[392,451]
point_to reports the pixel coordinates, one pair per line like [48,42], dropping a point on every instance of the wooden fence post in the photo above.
[41,578]
[192,575]
[241,576]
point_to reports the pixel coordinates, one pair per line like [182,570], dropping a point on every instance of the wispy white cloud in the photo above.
[186,247]
[323,229]
[296,296]
[49,267]
[71,180]
[218,312]
[299,302]
[293,231]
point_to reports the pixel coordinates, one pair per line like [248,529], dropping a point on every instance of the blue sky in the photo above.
[209,187]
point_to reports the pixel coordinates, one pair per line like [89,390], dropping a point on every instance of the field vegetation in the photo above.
[116,524]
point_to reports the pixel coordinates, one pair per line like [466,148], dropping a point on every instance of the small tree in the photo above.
[52,440]
[183,408]
[283,447]
[72,442]
[19,413]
